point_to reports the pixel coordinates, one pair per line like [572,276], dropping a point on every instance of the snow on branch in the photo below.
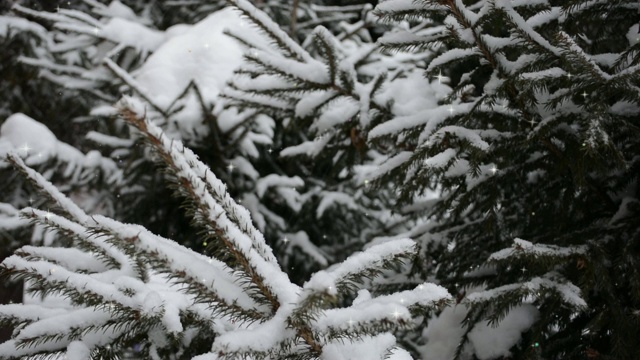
[577,56]
[66,205]
[124,302]
[308,319]
[408,41]
[10,23]
[272,30]
[59,328]
[525,28]
[325,286]
[537,287]
[109,255]
[214,208]
[131,82]
[128,283]
[361,266]
[208,279]
[395,309]
[522,248]
[399,10]
[36,145]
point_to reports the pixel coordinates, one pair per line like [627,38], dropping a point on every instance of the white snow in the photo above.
[22,132]
[368,348]
[412,93]
[260,337]
[491,342]
[216,205]
[526,248]
[203,54]
[71,258]
[33,141]
[77,350]
[370,258]
[406,5]
[116,9]
[486,341]
[392,163]
[272,30]
[523,25]
[455,54]
[120,30]
[338,112]
[301,241]
[544,17]
[67,205]
[431,117]
[9,217]
[275,180]
[472,136]
[331,198]
[310,148]
[569,292]
[632,34]
[308,104]
[285,187]
[13,24]
[442,159]
[444,333]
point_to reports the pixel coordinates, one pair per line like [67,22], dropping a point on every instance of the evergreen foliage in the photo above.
[536,146]
[501,136]
[312,92]
[85,49]
[130,287]
[130,284]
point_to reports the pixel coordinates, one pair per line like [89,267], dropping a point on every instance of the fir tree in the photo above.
[325,94]
[535,156]
[131,288]
[514,159]
[133,291]
[88,52]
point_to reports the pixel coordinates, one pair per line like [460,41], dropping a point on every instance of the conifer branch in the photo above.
[212,204]
[109,255]
[209,280]
[47,188]
[131,82]
[271,29]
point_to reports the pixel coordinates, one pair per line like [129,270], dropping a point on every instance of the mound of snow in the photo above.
[202,53]
[34,142]
[28,136]
[486,342]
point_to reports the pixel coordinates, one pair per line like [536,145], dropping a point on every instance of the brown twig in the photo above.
[294,19]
